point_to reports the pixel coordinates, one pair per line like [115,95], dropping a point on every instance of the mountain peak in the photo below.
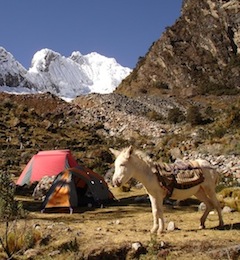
[63,76]
[199,54]
[76,56]
[42,59]
[11,71]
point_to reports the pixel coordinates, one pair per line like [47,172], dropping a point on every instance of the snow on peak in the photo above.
[76,56]
[72,76]
[55,73]
[42,58]
[8,65]
[105,72]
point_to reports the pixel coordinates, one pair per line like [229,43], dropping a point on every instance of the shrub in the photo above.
[7,103]
[143,90]
[211,88]
[219,132]
[9,208]
[160,85]
[71,246]
[233,117]
[154,116]
[175,115]
[194,116]
[19,239]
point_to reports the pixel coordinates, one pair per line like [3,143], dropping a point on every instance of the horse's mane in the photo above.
[150,162]
[143,156]
[195,163]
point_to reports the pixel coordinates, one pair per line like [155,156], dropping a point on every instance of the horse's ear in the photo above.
[129,151]
[114,152]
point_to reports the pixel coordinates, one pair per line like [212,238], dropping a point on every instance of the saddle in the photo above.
[179,175]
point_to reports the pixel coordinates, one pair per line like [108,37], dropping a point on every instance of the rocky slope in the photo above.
[199,54]
[93,123]
[184,62]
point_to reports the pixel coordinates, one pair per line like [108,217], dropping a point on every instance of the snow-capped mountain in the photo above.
[12,73]
[63,76]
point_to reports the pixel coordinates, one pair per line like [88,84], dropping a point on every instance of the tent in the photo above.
[46,163]
[75,187]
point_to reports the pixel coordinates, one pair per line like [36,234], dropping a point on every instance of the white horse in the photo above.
[131,163]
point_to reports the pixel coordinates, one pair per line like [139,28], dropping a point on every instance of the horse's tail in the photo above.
[204,163]
[216,175]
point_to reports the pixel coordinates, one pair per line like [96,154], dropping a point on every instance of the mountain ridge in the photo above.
[62,76]
[199,54]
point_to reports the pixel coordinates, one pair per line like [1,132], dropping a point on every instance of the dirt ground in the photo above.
[109,232]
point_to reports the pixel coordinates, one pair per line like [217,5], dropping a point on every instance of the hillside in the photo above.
[93,123]
[199,54]
[181,100]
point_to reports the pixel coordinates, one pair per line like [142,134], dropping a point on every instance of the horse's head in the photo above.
[122,173]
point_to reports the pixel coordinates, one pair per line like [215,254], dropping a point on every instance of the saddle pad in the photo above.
[181,175]
[188,176]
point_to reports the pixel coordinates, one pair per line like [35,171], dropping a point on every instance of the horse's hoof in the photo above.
[161,232]
[220,226]
[153,231]
[201,227]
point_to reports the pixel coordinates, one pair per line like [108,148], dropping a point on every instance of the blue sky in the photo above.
[122,29]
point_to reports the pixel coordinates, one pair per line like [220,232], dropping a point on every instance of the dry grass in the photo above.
[107,233]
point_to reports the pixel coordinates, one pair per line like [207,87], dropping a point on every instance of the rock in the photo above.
[42,187]
[53,253]
[201,206]
[31,253]
[171,226]
[162,244]
[37,226]
[50,226]
[227,209]
[136,246]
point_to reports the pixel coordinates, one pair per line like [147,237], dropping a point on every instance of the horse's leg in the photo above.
[160,216]
[158,222]
[216,204]
[154,213]
[201,195]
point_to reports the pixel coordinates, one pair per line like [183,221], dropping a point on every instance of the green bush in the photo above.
[160,85]
[70,246]
[7,103]
[9,208]
[19,240]
[154,116]
[233,117]
[194,116]
[175,115]
[219,132]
